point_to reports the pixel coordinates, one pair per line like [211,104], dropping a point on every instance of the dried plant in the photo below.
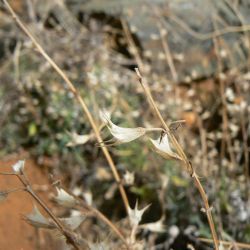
[167,146]
[64,226]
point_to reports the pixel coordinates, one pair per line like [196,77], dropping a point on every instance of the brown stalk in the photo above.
[132,46]
[77,96]
[68,235]
[168,56]
[182,154]
[179,149]
[164,36]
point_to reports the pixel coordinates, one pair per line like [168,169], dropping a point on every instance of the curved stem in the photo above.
[79,99]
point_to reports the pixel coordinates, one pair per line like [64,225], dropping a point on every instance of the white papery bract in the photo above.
[36,219]
[129,178]
[162,147]
[105,116]
[77,139]
[74,221]
[88,197]
[18,167]
[120,134]
[135,215]
[64,199]
[156,227]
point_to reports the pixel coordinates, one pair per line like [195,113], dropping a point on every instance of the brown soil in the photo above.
[15,233]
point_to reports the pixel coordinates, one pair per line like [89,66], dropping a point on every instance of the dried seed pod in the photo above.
[120,134]
[162,147]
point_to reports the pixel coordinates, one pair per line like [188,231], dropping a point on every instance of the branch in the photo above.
[181,153]
[77,96]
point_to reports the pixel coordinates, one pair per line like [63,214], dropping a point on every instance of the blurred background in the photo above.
[195,57]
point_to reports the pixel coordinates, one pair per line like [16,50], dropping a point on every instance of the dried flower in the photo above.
[74,221]
[156,227]
[64,199]
[77,139]
[121,135]
[18,167]
[105,116]
[36,219]
[162,147]
[88,197]
[135,214]
[129,178]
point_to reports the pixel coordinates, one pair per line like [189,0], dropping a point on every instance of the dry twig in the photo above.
[77,96]
[181,153]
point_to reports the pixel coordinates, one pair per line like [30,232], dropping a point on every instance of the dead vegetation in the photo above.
[198,127]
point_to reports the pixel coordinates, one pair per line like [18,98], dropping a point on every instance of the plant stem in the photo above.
[154,130]
[79,99]
[182,154]
[7,173]
[69,236]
